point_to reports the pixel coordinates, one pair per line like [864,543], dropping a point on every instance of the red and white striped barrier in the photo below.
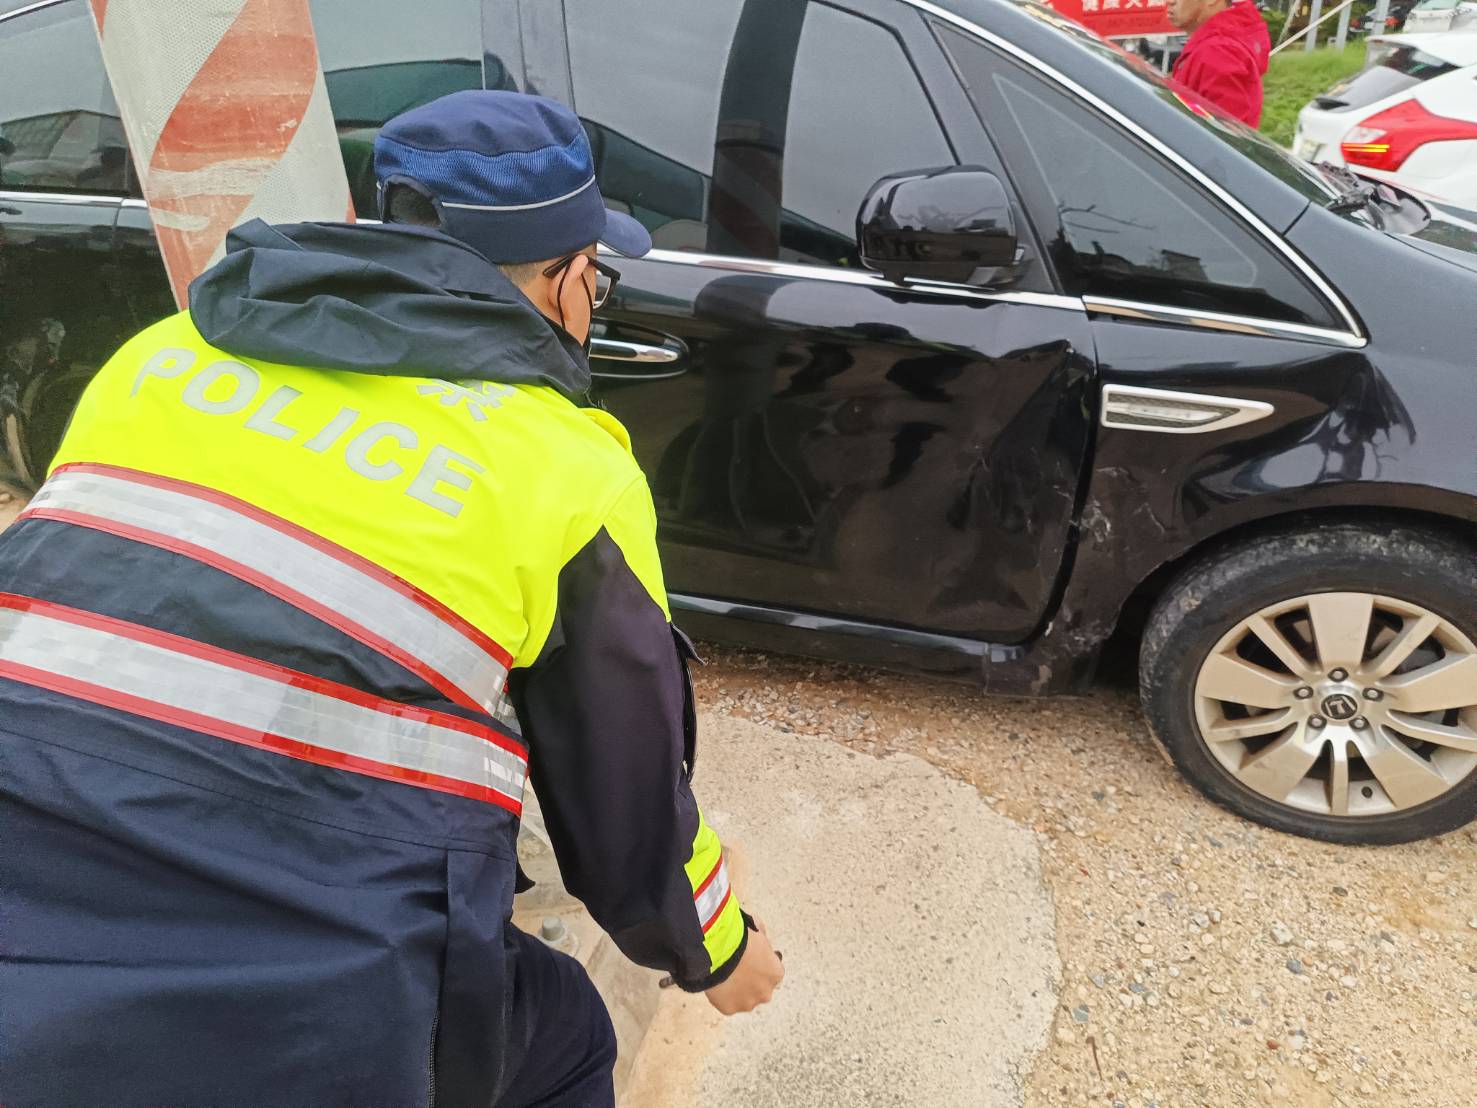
[227,117]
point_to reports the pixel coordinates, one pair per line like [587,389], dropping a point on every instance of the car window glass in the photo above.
[1120,222]
[1274,159]
[747,127]
[1391,68]
[1132,229]
[857,113]
[384,57]
[59,124]
[651,107]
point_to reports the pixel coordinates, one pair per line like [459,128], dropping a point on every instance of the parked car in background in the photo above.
[968,346]
[1364,23]
[1160,51]
[1409,117]
[1440,15]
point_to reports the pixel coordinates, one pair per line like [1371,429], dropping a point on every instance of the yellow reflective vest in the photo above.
[518,514]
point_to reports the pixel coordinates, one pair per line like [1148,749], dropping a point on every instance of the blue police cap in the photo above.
[510,175]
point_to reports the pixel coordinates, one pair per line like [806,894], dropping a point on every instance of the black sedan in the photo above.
[969,346]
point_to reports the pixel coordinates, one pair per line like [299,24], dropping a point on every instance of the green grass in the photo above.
[1295,77]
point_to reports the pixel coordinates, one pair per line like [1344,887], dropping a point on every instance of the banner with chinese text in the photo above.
[1116,18]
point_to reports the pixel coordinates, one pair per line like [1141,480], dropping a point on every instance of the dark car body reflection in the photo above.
[927,474]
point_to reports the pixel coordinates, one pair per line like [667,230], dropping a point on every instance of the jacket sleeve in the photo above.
[607,712]
[1228,77]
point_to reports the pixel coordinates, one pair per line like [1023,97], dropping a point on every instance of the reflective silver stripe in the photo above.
[505,714]
[253,703]
[711,898]
[343,589]
[521,207]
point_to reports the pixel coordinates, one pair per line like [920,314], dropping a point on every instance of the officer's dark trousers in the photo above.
[568,1043]
[166,939]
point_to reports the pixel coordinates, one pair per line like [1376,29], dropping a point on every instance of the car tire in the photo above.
[1211,665]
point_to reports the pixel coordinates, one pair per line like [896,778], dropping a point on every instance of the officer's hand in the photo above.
[753,983]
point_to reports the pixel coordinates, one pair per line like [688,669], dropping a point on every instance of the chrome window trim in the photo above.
[36,7]
[841,275]
[96,199]
[1219,321]
[1165,412]
[1277,241]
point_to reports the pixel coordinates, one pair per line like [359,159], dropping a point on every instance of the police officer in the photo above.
[327,565]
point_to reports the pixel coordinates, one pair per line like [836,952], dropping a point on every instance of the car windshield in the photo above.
[1267,154]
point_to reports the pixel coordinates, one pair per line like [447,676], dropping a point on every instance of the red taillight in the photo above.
[1386,139]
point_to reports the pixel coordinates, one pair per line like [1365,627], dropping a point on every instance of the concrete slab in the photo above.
[918,938]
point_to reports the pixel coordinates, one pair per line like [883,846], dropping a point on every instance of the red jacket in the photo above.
[1224,60]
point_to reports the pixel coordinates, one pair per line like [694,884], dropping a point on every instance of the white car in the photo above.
[1439,15]
[1409,117]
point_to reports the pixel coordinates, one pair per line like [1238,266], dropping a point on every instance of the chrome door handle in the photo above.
[617,360]
[615,351]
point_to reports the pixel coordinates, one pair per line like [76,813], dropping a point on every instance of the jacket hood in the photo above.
[382,299]
[1242,23]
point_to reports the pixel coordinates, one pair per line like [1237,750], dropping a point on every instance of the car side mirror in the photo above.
[937,225]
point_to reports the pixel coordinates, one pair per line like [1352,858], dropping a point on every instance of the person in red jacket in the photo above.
[1226,55]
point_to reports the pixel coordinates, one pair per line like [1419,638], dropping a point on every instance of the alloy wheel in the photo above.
[1342,704]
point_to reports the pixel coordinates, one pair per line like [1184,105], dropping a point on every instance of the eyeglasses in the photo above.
[606,277]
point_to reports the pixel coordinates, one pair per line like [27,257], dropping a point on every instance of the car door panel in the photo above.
[832,443]
[859,450]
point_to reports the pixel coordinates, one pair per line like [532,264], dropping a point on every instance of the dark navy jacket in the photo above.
[194,922]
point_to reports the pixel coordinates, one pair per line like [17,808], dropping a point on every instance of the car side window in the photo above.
[59,125]
[1120,222]
[748,127]
[384,57]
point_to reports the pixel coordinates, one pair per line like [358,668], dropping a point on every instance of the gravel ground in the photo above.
[1206,961]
